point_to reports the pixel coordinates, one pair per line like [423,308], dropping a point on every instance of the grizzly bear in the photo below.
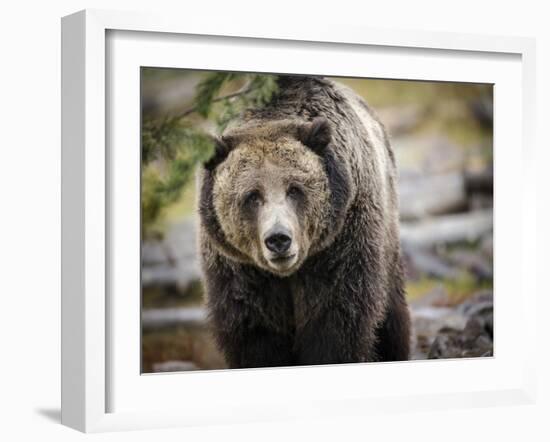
[299,233]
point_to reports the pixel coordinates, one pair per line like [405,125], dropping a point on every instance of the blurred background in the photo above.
[442,134]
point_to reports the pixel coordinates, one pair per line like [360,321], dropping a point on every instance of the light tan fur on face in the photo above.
[270,167]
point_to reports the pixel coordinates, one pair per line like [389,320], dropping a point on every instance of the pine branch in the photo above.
[260,88]
[194,109]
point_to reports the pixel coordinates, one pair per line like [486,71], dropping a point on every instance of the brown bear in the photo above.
[299,233]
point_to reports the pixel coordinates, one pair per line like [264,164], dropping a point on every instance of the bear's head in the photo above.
[273,193]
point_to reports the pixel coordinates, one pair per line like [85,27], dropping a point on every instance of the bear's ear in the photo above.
[315,135]
[222,147]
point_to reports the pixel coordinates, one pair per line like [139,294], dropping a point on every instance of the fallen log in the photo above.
[468,226]
[171,317]
[424,262]
[422,196]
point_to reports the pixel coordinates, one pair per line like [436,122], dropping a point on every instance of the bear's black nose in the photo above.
[278,242]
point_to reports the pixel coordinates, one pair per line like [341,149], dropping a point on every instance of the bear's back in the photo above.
[355,125]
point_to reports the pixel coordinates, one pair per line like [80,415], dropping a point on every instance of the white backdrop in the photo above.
[30,222]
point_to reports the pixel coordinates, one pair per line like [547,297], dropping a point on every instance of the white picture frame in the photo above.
[90,325]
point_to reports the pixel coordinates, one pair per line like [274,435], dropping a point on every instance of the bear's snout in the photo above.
[280,249]
[278,241]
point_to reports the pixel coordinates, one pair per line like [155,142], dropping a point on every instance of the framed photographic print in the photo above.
[270,223]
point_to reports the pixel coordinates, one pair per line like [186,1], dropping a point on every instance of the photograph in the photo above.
[307,221]
[299,220]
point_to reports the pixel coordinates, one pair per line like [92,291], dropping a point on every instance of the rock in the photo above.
[446,344]
[428,321]
[477,302]
[429,315]
[475,339]
[453,343]
[444,331]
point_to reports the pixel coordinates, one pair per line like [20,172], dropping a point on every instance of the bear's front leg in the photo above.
[251,319]
[249,347]
[338,308]
[336,334]
[246,339]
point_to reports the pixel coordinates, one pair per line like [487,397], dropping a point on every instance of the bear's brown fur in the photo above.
[300,235]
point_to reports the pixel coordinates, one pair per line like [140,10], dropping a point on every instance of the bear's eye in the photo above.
[294,191]
[252,198]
